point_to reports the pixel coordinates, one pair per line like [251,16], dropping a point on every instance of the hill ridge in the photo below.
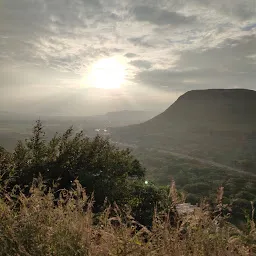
[218,124]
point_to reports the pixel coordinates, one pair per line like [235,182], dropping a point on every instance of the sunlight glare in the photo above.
[107,73]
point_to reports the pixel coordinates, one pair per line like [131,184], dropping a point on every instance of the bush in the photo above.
[102,168]
[111,174]
[198,188]
[42,226]
[53,215]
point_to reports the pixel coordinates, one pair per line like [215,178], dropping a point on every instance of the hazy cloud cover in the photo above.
[167,47]
[160,17]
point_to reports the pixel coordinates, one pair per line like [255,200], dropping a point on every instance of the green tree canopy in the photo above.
[101,167]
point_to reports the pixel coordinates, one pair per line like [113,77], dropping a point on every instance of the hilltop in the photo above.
[217,124]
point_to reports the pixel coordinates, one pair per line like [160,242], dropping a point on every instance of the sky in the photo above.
[48,49]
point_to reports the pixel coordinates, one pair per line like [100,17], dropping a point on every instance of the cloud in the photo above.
[249,27]
[140,41]
[182,81]
[130,55]
[141,64]
[243,10]
[92,4]
[167,46]
[231,65]
[231,55]
[161,17]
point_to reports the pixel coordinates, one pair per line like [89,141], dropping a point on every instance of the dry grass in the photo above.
[40,225]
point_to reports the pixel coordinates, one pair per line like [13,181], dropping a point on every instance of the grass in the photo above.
[41,225]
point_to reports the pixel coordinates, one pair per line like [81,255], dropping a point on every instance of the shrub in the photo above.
[102,168]
[40,226]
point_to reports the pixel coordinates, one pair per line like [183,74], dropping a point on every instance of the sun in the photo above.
[108,73]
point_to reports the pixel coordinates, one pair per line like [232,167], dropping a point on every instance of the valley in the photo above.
[205,144]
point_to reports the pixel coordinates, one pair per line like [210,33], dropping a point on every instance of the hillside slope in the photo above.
[218,124]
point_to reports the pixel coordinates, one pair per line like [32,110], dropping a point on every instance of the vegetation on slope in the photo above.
[215,124]
[199,181]
[41,225]
[44,210]
[109,173]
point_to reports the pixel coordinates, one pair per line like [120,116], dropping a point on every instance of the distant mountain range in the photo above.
[15,126]
[117,118]
[124,117]
[219,124]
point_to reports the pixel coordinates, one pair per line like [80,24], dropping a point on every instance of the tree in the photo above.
[144,199]
[6,168]
[199,188]
[102,168]
[240,209]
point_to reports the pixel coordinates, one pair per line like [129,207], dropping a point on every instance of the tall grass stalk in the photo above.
[41,225]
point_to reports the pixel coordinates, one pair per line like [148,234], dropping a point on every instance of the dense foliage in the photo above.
[199,181]
[114,175]
[44,210]
[42,225]
[109,174]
